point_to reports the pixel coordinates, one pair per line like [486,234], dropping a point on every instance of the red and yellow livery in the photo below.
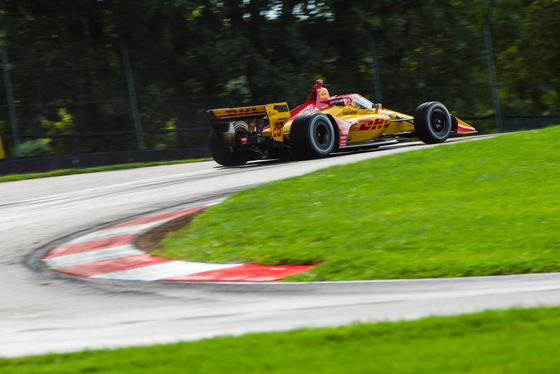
[322,125]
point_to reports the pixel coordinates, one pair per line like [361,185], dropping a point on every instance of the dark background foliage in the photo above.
[68,67]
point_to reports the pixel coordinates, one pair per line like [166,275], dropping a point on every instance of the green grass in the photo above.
[483,207]
[512,341]
[60,172]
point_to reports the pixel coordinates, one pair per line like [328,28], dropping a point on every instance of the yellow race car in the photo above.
[322,125]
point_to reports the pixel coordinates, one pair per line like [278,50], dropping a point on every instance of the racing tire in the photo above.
[432,122]
[223,154]
[313,136]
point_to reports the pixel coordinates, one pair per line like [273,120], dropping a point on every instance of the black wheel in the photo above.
[432,122]
[223,154]
[313,136]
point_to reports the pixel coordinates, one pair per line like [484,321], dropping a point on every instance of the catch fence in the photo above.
[53,100]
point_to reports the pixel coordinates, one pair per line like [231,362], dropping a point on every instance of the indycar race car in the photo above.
[320,126]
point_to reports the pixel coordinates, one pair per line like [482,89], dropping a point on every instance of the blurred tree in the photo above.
[528,35]
[191,55]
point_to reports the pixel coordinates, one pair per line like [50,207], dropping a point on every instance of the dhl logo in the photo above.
[242,111]
[370,124]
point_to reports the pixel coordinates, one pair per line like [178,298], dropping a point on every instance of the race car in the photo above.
[322,125]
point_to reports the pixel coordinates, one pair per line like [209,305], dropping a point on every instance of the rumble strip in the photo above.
[109,253]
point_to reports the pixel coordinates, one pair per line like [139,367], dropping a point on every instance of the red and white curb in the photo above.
[109,253]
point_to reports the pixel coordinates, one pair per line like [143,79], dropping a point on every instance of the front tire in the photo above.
[223,154]
[432,122]
[313,136]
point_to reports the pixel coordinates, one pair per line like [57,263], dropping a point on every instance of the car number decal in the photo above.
[277,129]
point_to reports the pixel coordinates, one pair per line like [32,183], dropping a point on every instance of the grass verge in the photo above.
[512,341]
[60,172]
[483,207]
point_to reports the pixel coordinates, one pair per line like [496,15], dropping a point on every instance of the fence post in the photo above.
[9,93]
[2,152]
[375,68]
[132,95]
[492,67]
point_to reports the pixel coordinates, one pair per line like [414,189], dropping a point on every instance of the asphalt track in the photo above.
[42,311]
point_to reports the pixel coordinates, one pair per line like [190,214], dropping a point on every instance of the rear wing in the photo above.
[235,113]
[227,121]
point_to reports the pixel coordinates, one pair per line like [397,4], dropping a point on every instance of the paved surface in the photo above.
[43,311]
[110,253]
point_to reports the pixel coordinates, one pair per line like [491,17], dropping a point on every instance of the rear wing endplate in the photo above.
[277,114]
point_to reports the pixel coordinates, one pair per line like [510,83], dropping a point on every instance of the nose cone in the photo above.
[464,128]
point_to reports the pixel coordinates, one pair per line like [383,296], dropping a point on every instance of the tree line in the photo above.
[69,60]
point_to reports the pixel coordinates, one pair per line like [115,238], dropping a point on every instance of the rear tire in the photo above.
[313,136]
[432,122]
[224,154]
